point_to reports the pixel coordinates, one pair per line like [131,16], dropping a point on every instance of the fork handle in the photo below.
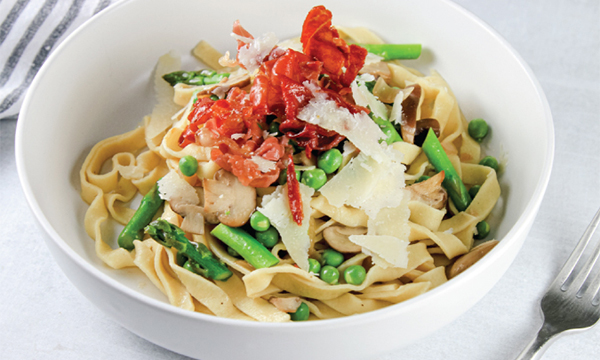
[537,346]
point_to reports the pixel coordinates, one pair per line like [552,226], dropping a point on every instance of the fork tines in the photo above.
[574,280]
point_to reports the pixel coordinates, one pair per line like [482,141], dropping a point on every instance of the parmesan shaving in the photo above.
[173,188]
[367,184]
[389,248]
[358,128]
[363,97]
[396,114]
[295,238]
[252,55]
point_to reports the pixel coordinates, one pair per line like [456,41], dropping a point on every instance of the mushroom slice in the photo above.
[410,108]
[337,237]
[228,199]
[466,261]
[193,218]
[423,126]
[286,304]
[430,191]
[377,69]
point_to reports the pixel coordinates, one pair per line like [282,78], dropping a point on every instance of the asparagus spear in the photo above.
[142,217]
[391,134]
[247,246]
[200,258]
[394,51]
[201,77]
[452,182]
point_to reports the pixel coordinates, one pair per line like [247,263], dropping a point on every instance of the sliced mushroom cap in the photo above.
[193,217]
[230,201]
[377,69]
[422,127]
[337,237]
[466,261]
[286,304]
[430,191]
[410,107]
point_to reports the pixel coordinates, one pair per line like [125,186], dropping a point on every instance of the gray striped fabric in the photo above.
[29,31]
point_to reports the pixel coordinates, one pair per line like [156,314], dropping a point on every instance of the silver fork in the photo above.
[573,300]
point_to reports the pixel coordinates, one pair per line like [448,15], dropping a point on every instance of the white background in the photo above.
[43,316]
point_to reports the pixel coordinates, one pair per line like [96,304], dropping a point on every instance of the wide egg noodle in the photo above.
[450,244]
[258,308]
[176,292]
[207,293]
[94,186]
[425,215]
[350,304]
[318,310]
[399,294]
[144,260]
[169,147]
[344,214]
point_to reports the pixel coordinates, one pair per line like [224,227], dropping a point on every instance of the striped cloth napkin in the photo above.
[29,31]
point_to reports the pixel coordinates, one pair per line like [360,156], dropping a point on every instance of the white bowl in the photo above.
[98,84]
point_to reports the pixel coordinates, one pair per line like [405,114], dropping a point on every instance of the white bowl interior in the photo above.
[98,84]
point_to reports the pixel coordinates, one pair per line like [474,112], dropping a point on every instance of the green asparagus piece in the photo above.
[394,51]
[391,134]
[200,259]
[142,217]
[452,182]
[202,77]
[247,246]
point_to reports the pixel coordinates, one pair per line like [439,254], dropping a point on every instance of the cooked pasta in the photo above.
[301,169]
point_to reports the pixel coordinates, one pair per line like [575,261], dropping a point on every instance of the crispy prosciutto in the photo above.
[234,127]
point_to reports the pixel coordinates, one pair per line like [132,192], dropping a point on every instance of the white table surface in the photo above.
[43,316]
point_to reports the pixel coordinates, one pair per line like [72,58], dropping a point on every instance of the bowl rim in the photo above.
[528,216]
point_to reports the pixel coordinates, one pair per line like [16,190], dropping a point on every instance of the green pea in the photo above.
[329,274]
[314,178]
[422,178]
[214,97]
[478,129]
[330,161]
[283,176]
[490,161]
[274,129]
[355,274]
[332,257]
[314,267]
[259,221]
[268,238]
[231,251]
[474,190]
[483,230]
[301,313]
[188,165]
